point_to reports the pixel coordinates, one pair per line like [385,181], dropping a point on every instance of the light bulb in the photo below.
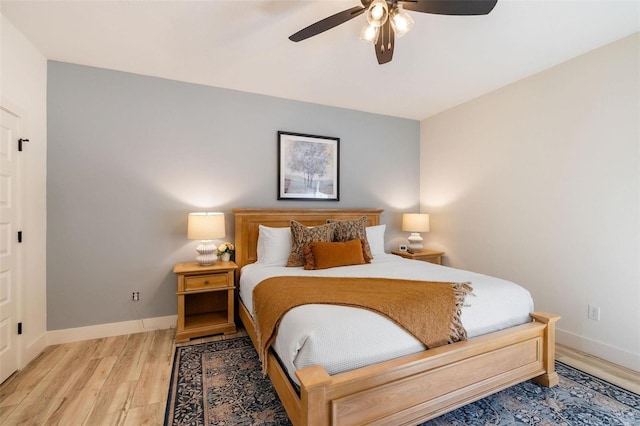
[400,21]
[378,13]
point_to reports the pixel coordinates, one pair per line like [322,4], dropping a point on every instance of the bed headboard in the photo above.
[247,221]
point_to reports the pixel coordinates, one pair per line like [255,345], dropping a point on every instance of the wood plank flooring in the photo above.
[119,380]
[612,373]
[124,380]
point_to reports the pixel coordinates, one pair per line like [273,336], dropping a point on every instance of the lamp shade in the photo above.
[400,21]
[205,226]
[370,34]
[415,222]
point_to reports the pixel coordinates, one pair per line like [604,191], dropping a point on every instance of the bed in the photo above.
[408,389]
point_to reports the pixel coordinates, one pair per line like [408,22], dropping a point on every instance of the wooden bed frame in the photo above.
[406,390]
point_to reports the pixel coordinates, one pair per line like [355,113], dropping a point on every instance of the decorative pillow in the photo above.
[347,230]
[302,235]
[274,245]
[329,255]
[375,238]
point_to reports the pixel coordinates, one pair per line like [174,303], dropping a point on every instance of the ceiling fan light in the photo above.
[377,13]
[370,34]
[401,21]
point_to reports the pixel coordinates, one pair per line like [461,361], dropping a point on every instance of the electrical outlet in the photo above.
[135,296]
[594,313]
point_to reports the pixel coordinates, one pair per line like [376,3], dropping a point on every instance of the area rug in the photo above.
[220,383]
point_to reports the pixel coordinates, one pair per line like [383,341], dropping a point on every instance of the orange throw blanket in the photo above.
[430,311]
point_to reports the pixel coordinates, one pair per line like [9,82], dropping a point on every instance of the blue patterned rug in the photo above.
[220,383]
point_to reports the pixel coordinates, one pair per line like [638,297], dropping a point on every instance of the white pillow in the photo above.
[274,245]
[375,236]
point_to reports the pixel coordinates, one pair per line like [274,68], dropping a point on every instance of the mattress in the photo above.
[342,338]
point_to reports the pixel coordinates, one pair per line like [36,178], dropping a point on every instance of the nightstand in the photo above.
[430,256]
[205,299]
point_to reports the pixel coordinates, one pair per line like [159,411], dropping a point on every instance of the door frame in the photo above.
[19,308]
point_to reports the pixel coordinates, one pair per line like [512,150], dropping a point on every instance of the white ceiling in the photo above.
[243,45]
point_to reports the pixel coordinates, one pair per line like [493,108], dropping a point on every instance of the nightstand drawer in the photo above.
[206,281]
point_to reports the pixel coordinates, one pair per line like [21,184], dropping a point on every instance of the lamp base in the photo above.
[415,241]
[207,253]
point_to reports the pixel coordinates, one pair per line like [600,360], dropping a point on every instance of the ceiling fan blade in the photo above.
[385,44]
[450,7]
[327,23]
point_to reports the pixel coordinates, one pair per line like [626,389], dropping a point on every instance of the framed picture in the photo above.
[308,167]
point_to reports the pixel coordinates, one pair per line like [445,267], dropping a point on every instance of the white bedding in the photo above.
[343,338]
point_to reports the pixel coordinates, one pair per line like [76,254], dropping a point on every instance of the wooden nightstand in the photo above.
[205,299]
[430,256]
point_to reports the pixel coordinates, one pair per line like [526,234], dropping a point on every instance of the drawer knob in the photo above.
[206,282]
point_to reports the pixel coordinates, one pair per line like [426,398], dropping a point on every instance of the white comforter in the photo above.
[343,338]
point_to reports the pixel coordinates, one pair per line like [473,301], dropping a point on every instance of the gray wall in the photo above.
[129,156]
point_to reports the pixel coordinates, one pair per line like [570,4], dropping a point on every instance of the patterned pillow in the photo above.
[329,255]
[301,236]
[347,230]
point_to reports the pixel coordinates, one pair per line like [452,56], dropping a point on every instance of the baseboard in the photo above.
[55,337]
[601,350]
[68,335]
[32,350]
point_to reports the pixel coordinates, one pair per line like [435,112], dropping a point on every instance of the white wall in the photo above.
[23,90]
[539,183]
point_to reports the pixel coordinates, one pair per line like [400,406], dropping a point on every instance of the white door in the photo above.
[9,127]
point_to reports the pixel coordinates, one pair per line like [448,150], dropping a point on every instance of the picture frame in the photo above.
[308,167]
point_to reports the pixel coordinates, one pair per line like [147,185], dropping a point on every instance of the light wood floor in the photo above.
[124,380]
[610,372]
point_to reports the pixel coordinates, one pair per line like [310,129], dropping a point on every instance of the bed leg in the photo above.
[314,406]
[550,378]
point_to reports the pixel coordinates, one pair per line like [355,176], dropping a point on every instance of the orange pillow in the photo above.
[323,255]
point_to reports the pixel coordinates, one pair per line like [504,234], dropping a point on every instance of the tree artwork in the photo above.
[308,167]
[310,159]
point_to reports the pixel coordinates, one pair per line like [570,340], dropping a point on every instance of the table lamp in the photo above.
[415,223]
[206,226]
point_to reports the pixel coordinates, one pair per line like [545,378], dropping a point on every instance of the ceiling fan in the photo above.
[387,19]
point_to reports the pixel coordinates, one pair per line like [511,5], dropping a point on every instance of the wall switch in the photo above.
[136,296]
[594,313]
